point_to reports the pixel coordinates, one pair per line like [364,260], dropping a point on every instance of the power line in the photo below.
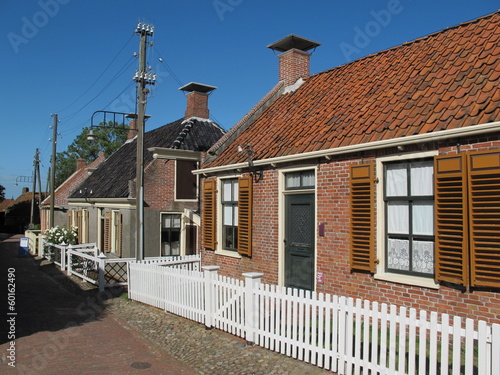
[98,78]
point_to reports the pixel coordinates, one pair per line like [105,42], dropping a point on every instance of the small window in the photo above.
[299,180]
[409,209]
[170,234]
[229,203]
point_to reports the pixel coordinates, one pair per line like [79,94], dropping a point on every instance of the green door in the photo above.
[299,241]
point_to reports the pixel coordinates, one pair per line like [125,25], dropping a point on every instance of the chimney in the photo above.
[132,129]
[294,58]
[25,190]
[80,163]
[197,99]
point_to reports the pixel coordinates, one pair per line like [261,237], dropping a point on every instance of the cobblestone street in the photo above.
[65,326]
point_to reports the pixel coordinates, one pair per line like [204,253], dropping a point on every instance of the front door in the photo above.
[299,241]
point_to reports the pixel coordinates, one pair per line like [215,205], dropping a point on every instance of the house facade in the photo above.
[62,193]
[378,179]
[171,205]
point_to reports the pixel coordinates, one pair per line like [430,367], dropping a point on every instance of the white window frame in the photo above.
[219,249]
[381,273]
[281,216]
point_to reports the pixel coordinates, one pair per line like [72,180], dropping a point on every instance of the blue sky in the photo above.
[75,57]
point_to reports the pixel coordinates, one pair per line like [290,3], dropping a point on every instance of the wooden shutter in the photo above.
[107,232]
[70,219]
[85,226]
[79,225]
[362,190]
[451,219]
[245,215]
[118,233]
[208,214]
[484,218]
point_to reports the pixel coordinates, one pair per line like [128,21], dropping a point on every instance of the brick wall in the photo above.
[332,249]
[293,64]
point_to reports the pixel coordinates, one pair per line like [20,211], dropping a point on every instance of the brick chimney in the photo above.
[294,58]
[132,129]
[80,163]
[197,99]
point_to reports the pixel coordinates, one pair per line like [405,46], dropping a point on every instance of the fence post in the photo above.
[70,249]
[102,271]
[252,280]
[63,257]
[210,275]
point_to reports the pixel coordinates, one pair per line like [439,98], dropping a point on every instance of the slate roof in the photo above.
[447,80]
[111,178]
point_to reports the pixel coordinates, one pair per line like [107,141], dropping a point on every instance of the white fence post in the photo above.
[69,260]
[252,280]
[102,271]
[210,274]
[63,257]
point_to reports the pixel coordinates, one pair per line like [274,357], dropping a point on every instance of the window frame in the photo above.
[380,271]
[181,250]
[234,204]
[410,201]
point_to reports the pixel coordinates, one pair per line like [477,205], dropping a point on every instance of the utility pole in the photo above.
[142,77]
[53,171]
[35,168]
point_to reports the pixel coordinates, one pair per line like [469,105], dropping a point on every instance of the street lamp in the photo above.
[106,114]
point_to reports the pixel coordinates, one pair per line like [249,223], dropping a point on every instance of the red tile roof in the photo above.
[5,204]
[446,80]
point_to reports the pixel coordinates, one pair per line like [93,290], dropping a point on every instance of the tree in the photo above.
[108,139]
[2,193]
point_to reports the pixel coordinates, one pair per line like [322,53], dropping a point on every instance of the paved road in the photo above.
[65,330]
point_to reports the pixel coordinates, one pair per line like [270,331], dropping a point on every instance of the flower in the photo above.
[60,235]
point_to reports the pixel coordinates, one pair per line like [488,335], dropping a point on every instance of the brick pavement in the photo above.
[67,330]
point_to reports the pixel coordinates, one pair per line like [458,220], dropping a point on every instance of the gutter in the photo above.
[386,143]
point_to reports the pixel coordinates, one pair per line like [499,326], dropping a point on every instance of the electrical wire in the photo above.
[98,78]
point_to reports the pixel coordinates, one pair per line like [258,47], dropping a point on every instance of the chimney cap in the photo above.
[293,41]
[199,87]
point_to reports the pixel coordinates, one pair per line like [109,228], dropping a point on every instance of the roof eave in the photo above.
[386,143]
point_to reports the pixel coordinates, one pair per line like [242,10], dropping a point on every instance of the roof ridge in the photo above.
[417,40]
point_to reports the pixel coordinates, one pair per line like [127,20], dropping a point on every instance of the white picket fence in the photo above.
[344,335]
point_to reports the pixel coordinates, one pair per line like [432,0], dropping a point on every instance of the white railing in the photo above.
[340,334]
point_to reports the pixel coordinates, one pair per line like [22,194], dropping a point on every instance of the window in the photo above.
[232,228]
[186,183]
[409,213]
[170,234]
[299,180]
[229,202]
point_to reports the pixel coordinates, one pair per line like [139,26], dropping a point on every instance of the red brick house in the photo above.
[63,191]
[378,179]
[171,193]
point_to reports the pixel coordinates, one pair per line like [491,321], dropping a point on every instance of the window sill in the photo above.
[227,253]
[408,280]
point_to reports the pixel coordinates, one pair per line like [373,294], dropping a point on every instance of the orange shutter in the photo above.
[484,218]
[245,216]
[362,190]
[79,225]
[107,232]
[208,214]
[451,219]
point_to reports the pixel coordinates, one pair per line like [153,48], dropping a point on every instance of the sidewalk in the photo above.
[63,332]
[114,335]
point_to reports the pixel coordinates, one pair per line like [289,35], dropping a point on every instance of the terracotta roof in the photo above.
[111,178]
[446,80]
[5,204]
[64,190]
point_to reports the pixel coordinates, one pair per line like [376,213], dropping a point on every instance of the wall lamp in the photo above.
[256,173]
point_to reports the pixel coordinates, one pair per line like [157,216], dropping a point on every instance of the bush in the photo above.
[61,236]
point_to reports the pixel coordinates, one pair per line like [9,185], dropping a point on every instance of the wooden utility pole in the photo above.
[35,170]
[53,171]
[142,77]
